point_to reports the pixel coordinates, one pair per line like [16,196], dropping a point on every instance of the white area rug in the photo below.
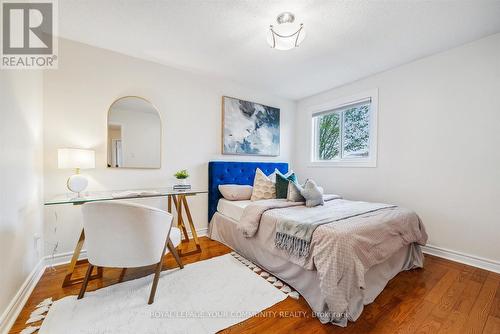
[204,297]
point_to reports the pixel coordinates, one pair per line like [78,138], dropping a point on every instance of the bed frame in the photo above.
[303,280]
[235,172]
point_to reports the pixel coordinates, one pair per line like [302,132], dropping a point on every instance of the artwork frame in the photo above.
[250,128]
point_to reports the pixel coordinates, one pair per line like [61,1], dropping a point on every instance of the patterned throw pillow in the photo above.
[263,187]
[312,193]
[282,183]
[293,194]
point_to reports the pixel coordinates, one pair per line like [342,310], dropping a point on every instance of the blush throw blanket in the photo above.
[250,219]
[295,235]
[342,251]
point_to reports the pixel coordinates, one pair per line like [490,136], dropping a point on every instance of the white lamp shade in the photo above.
[75,158]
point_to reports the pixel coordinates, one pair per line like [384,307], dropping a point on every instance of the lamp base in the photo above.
[77,183]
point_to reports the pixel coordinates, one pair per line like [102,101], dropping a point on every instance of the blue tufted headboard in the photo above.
[235,172]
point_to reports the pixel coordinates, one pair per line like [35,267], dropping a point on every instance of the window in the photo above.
[344,132]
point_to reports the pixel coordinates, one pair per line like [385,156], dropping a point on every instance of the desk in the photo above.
[176,197]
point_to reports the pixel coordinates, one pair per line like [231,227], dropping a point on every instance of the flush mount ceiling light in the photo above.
[287,34]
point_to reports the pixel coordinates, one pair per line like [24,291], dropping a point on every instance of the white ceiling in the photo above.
[346,40]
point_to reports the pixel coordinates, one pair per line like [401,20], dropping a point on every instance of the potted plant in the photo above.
[182,177]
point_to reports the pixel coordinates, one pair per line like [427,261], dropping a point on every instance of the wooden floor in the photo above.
[444,297]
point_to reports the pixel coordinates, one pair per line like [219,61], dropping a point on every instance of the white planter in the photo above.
[182,182]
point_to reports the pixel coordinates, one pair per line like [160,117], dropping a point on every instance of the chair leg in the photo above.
[172,250]
[85,281]
[155,282]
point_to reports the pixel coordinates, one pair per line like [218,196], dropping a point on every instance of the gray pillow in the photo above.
[312,194]
[293,193]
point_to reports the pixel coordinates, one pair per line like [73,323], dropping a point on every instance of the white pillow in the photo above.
[312,193]
[263,187]
[236,192]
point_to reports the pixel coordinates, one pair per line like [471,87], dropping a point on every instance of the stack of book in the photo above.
[182,187]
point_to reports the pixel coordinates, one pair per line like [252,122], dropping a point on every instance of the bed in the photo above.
[226,218]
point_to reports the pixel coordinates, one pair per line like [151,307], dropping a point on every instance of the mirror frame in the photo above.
[107,133]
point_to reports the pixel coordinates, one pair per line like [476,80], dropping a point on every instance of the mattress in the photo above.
[232,209]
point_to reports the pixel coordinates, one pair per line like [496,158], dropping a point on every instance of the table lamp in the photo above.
[77,159]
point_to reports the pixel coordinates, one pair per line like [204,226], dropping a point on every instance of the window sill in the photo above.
[344,163]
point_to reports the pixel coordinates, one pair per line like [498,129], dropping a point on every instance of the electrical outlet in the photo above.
[37,243]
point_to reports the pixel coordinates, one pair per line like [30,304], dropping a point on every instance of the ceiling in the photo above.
[346,40]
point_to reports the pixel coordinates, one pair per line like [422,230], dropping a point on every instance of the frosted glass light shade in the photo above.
[75,158]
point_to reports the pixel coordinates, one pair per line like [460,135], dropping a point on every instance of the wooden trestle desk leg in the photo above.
[191,224]
[181,204]
[74,261]
[180,221]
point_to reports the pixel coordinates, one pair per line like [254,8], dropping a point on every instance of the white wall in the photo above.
[21,180]
[438,136]
[76,101]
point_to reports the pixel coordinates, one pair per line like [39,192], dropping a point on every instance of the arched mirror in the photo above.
[134,134]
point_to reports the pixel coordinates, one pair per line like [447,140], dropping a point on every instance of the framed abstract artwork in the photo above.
[249,128]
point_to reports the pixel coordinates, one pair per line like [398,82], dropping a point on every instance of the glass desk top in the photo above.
[72,198]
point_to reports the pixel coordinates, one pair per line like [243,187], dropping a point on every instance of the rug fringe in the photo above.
[37,315]
[39,311]
[35,319]
[287,290]
[30,329]
[45,302]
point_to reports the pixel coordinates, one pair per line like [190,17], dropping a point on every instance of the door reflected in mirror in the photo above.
[134,134]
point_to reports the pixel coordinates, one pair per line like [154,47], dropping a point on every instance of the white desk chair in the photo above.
[126,235]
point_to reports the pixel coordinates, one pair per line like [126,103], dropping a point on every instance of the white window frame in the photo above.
[371,160]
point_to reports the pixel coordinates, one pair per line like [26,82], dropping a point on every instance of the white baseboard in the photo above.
[63,258]
[470,260]
[17,303]
[202,232]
